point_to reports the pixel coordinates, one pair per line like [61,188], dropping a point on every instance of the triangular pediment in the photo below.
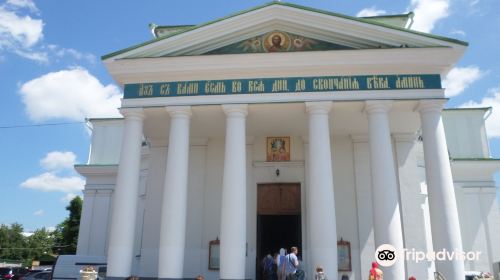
[299,29]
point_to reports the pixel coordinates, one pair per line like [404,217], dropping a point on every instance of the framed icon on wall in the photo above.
[214,254]
[278,148]
[344,255]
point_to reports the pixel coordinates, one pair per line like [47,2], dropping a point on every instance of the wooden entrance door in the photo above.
[278,199]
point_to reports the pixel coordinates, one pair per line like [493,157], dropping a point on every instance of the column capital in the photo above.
[235,110]
[378,106]
[129,113]
[179,111]
[431,105]
[320,107]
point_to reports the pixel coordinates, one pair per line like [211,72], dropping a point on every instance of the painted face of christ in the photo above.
[276,41]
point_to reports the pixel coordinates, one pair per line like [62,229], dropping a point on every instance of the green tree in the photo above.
[67,232]
[40,243]
[12,242]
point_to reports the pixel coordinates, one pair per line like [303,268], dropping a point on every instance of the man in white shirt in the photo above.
[292,262]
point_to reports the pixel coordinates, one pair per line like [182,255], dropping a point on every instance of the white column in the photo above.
[442,204]
[233,209]
[321,221]
[386,214]
[122,231]
[174,205]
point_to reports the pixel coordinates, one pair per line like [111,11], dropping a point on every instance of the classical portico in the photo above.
[200,105]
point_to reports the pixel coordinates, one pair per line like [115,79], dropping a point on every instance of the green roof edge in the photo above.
[472,108]
[175,26]
[475,159]
[388,16]
[96,165]
[105,119]
[364,20]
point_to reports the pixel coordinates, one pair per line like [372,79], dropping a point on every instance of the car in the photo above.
[69,266]
[12,273]
[39,275]
[478,275]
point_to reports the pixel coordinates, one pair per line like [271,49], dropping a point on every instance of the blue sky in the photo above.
[50,72]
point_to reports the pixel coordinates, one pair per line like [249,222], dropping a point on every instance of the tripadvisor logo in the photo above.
[386,255]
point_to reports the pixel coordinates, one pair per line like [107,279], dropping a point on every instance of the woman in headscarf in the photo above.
[281,263]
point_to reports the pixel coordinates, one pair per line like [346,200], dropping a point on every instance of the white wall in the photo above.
[413,197]
[97,200]
[106,141]
[480,223]
[345,201]
[465,133]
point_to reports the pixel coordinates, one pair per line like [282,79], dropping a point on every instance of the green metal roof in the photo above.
[363,20]
[167,29]
[469,109]
[394,20]
[475,159]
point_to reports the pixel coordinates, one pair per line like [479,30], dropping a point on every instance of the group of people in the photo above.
[283,266]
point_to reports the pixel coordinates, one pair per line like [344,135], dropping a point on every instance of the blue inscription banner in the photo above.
[283,85]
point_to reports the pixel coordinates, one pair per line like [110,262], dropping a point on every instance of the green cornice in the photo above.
[469,109]
[363,20]
[104,119]
[95,165]
[391,16]
[475,159]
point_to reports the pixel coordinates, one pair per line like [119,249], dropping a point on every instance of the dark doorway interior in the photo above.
[277,231]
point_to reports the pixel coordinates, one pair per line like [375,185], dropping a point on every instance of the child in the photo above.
[320,274]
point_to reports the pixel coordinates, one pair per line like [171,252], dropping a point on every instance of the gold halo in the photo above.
[284,44]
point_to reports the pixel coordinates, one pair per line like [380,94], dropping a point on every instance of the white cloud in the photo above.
[459,78]
[41,57]
[39,212]
[16,30]
[473,3]
[22,33]
[458,32]
[428,12]
[23,4]
[60,52]
[72,94]
[68,197]
[58,160]
[493,121]
[370,12]
[49,181]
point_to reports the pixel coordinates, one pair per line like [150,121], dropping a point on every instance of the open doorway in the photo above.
[278,219]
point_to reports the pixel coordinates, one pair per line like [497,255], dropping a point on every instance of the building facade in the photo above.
[282,126]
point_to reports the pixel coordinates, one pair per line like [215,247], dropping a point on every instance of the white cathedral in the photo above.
[289,126]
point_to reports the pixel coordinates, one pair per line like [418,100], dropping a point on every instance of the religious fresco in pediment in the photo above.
[277,41]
